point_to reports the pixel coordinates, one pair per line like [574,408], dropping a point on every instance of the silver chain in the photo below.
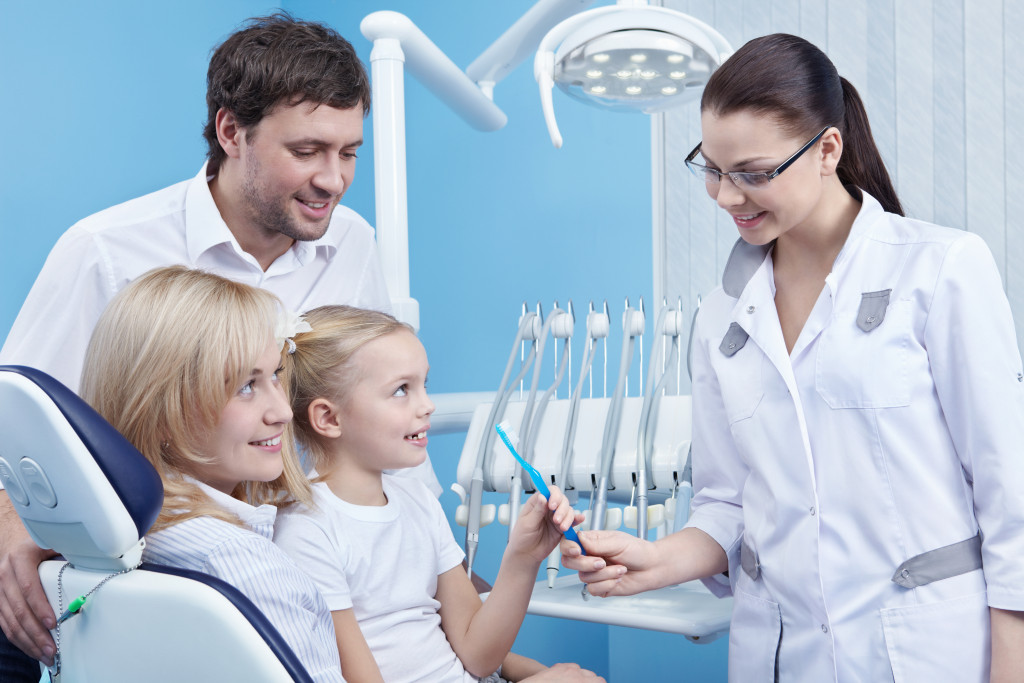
[60,596]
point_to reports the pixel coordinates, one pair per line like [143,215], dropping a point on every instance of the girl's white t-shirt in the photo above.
[383,562]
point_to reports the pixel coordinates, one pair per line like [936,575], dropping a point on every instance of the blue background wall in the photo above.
[104,101]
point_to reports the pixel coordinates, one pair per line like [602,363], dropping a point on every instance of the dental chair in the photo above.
[83,490]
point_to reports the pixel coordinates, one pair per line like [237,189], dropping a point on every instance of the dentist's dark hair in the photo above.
[791,80]
[280,60]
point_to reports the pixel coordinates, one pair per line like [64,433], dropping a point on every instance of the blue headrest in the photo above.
[48,434]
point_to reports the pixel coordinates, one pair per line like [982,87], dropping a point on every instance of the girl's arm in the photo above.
[357,662]
[1007,641]
[482,634]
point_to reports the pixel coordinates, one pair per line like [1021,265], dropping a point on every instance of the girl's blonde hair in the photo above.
[322,367]
[168,353]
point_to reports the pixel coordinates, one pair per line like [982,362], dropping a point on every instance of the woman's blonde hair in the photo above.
[168,353]
[322,367]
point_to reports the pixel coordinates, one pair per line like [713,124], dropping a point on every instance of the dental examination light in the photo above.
[627,56]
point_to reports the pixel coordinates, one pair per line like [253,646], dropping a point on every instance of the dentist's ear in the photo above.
[831,150]
[324,418]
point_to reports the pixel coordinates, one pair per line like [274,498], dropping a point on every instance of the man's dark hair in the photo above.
[279,59]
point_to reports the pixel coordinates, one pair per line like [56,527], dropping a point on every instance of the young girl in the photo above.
[185,365]
[378,546]
[858,407]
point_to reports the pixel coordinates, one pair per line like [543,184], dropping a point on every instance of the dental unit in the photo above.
[629,454]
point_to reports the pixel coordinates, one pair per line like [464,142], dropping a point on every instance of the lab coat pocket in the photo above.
[754,638]
[866,368]
[739,376]
[941,641]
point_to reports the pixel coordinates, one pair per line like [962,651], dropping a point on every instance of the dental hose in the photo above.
[647,466]
[476,486]
[632,327]
[525,427]
[642,471]
[597,328]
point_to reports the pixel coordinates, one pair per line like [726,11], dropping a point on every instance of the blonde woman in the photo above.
[186,365]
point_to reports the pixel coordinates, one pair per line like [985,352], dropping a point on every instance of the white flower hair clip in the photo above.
[288,325]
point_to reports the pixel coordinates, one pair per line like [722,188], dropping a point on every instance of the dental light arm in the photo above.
[398,44]
[521,39]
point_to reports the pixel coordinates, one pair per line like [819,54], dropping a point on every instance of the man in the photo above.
[286,102]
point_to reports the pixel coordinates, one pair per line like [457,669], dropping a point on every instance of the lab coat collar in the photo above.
[745,259]
[868,217]
[205,227]
[259,519]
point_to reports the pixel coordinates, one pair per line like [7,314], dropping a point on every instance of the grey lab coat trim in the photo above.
[942,563]
[743,262]
[872,309]
[749,560]
[733,340]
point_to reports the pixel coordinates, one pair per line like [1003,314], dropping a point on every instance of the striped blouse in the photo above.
[249,561]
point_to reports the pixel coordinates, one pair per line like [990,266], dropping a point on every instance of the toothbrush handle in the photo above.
[538,482]
[570,534]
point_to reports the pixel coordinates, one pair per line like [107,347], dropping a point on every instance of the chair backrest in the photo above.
[83,490]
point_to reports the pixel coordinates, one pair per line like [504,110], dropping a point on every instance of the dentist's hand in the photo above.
[541,524]
[620,564]
[25,613]
[616,563]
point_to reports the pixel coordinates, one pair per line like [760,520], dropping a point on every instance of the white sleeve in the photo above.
[52,329]
[312,548]
[448,552]
[718,471]
[976,365]
[286,596]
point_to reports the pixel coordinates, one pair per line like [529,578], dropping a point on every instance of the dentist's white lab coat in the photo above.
[860,450]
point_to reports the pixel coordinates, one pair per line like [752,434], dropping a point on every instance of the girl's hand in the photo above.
[541,524]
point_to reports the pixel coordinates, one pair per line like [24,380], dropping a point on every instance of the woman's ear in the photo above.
[831,150]
[324,418]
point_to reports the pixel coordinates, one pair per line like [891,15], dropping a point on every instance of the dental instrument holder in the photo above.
[689,609]
[597,328]
[632,327]
[516,488]
[669,324]
[559,324]
[529,328]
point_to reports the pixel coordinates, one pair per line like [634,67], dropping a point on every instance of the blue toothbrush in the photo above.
[504,428]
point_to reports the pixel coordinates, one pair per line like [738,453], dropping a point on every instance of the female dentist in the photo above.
[858,403]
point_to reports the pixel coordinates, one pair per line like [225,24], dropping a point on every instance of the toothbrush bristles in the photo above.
[506,428]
